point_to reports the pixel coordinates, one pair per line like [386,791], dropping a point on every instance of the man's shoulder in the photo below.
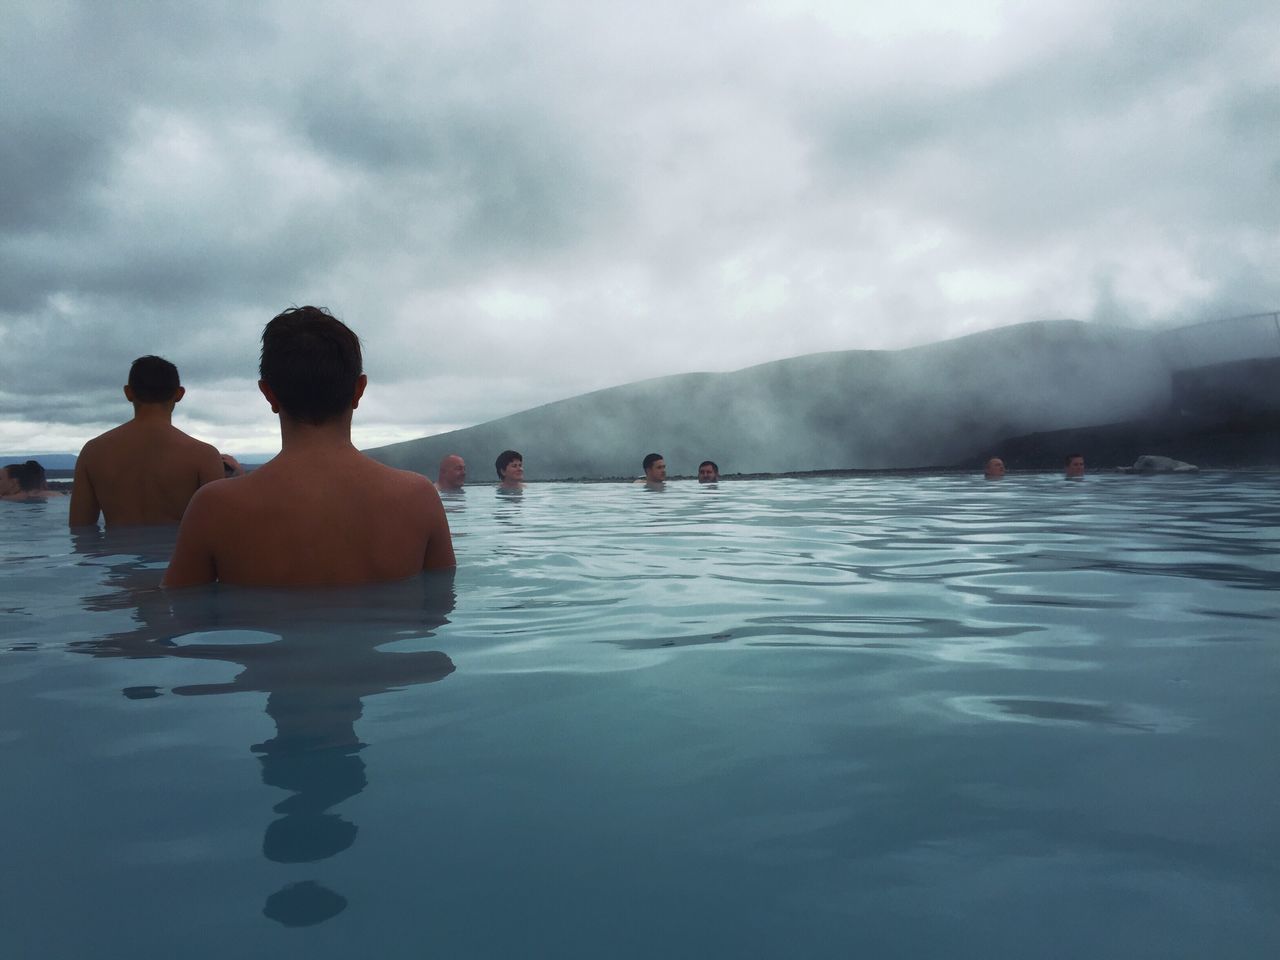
[102,440]
[191,443]
[406,486]
[408,478]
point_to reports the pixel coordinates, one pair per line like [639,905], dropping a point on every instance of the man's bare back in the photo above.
[142,472]
[317,517]
[321,513]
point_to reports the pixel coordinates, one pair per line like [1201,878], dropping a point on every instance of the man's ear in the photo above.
[361,382]
[179,394]
[128,393]
[270,395]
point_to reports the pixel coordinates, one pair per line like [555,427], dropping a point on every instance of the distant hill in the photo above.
[934,405]
[50,461]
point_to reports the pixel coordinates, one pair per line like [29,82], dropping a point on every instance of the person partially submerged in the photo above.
[144,471]
[25,481]
[655,472]
[510,467]
[453,473]
[320,513]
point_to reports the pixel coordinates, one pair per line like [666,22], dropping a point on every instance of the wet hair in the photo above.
[650,460]
[1072,456]
[30,475]
[504,460]
[311,361]
[709,463]
[153,380]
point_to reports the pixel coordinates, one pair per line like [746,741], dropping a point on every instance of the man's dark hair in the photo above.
[650,460]
[1072,456]
[30,475]
[504,459]
[311,361]
[153,380]
[709,463]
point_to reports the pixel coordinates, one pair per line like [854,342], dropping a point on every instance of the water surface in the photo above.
[825,718]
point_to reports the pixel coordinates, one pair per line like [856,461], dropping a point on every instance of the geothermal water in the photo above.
[819,718]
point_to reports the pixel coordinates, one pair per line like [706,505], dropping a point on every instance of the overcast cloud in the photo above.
[515,203]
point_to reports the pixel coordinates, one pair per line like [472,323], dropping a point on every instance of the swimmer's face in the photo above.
[513,472]
[657,471]
[707,474]
[995,468]
[1075,467]
[454,472]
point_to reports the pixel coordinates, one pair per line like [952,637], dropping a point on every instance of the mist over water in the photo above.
[925,406]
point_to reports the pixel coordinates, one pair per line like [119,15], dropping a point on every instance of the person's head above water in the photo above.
[291,522]
[994,469]
[23,480]
[708,472]
[1075,465]
[144,471]
[453,473]
[655,468]
[10,479]
[510,467]
[153,379]
[311,367]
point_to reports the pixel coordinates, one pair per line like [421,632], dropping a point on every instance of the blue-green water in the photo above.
[880,717]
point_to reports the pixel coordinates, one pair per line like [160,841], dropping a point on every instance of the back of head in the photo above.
[30,475]
[153,380]
[33,477]
[311,360]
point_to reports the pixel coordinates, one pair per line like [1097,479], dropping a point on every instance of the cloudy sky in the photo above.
[513,203]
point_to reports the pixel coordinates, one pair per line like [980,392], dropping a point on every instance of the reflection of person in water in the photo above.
[314,654]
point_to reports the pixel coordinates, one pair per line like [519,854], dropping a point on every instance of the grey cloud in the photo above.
[407,169]
[1062,138]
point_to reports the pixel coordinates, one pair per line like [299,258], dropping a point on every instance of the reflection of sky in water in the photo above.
[792,717]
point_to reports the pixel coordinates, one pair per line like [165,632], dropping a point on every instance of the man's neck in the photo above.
[153,413]
[299,437]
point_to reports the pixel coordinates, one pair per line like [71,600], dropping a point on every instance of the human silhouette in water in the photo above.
[317,667]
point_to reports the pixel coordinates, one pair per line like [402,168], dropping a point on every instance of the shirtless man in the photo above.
[144,471]
[320,513]
[655,471]
[453,473]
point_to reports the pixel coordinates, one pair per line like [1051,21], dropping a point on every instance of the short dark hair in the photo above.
[1072,456]
[650,460]
[30,475]
[153,379]
[709,463]
[311,361]
[504,459]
